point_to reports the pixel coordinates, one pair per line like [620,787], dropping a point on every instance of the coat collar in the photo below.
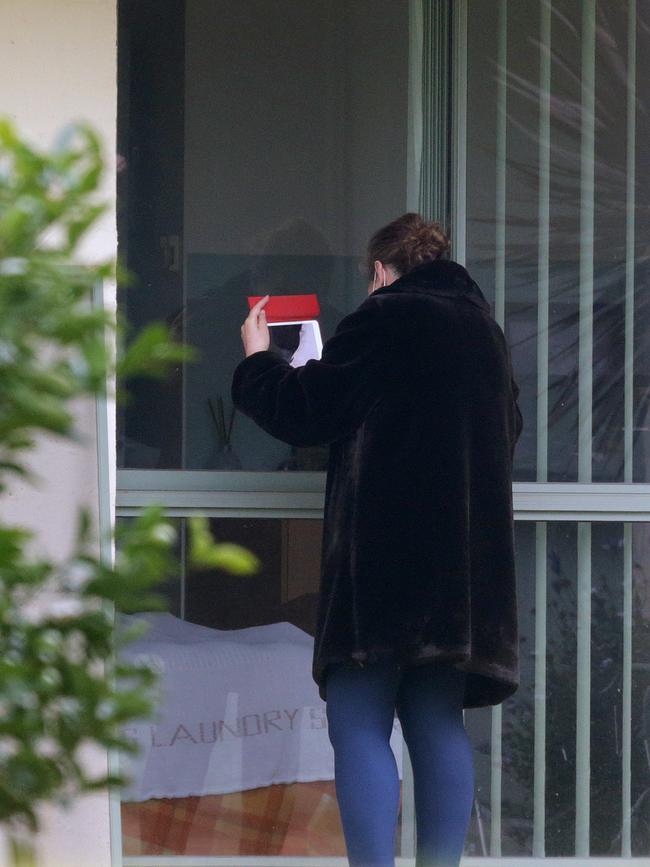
[438,277]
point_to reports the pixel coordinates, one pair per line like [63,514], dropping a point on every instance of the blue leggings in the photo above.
[428,698]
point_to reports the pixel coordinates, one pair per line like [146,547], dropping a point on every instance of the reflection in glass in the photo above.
[283,195]
[557,151]
[256,158]
[238,759]
[612,710]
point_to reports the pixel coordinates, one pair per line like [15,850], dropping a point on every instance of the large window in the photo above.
[261,144]
[237,761]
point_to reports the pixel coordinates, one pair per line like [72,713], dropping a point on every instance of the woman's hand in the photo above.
[255,331]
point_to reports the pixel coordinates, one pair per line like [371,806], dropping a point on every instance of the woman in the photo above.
[417,615]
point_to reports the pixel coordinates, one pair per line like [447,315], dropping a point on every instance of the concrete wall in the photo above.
[58,63]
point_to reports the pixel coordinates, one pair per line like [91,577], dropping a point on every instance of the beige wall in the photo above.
[58,63]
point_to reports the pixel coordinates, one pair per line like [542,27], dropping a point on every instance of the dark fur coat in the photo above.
[415,396]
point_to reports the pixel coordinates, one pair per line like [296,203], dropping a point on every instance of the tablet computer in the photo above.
[295,333]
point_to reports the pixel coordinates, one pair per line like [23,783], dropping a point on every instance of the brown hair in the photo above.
[407,242]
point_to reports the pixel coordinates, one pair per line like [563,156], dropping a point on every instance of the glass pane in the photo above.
[608,546]
[261,145]
[237,761]
[573,259]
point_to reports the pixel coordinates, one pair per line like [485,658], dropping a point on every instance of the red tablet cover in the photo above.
[288,308]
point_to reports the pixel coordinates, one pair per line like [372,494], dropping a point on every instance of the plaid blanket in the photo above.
[293,819]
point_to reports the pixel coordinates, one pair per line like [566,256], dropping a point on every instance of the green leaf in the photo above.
[205,553]
[78,227]
[152,352]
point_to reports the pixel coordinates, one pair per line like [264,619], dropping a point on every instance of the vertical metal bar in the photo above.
[583,691]
[459,126]
[543,294]
[415,139]
[630,229]
[500,169]
[543,251]
[105,523]
[539,785]
[585,400]
[585,376]
[626,757]
[439,204]
[495,781]
[630,232]
[499,315]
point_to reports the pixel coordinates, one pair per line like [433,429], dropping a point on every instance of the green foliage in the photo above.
[63,684]
[57,666]
[205,554]
[52,343]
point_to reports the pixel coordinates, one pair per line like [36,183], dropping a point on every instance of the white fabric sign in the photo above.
[238,710]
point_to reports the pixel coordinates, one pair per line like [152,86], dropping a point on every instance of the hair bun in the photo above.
[407,242]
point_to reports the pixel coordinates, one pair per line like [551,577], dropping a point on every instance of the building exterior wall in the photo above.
[58,64]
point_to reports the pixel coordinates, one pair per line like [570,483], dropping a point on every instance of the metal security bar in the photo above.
[499,315]
[539,744]
[543,290]
[585,413]
[543,250]
[630,234]
[459,132]
[584,489]
[501,165]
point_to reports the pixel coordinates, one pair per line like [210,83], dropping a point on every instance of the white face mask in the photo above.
[375,279]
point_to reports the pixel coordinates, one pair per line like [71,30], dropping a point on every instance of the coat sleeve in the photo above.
[325,399]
